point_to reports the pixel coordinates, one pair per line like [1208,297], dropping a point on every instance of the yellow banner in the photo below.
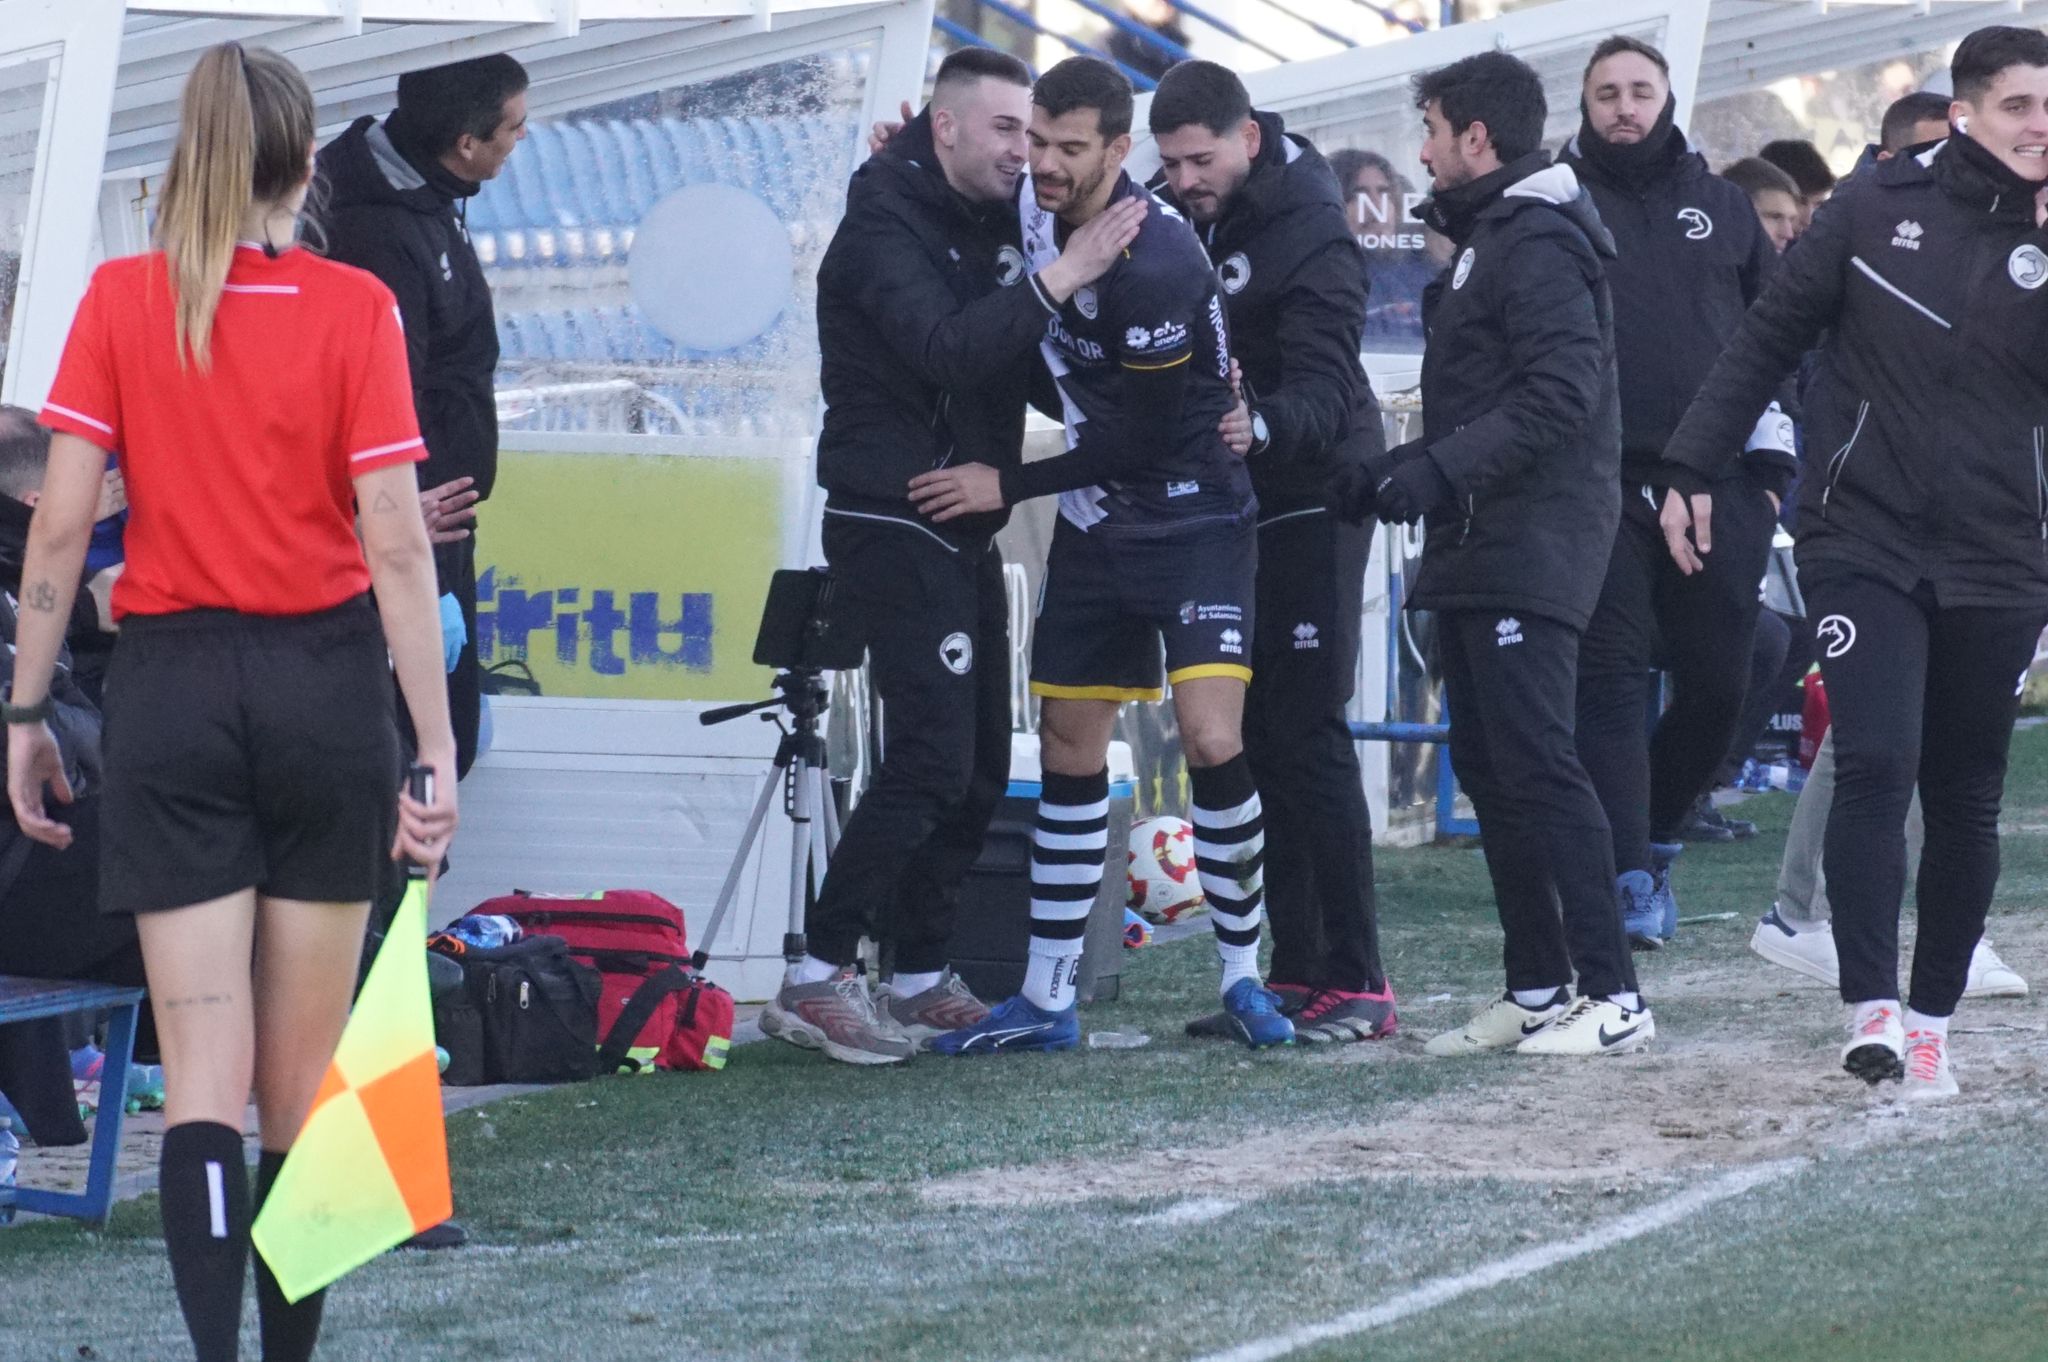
[626,576]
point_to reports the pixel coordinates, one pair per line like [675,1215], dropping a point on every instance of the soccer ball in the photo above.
[1163,884]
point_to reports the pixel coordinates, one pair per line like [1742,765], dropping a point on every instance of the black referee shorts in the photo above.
[247,751]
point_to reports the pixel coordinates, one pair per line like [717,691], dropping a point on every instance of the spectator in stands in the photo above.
[1772,193]
[1377,201]
[1146,58]
[1916,120]
[1809,170]
[24,449]
[397,195]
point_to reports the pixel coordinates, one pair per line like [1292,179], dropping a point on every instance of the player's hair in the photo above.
[245,136]
[1803,162]
[1909,112]
[1616,43]
[24,452]
[442,104]
[966,65]
[1200,92]
[1982,55]
[1753,175]
[1492,88]
[1087,83]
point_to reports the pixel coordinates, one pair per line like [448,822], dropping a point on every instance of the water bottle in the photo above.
[10,1159]
[486,931]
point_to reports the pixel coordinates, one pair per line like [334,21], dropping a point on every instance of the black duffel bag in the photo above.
[525,1013]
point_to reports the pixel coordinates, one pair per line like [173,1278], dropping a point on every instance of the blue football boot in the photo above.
[1662,854]
[1255,1016]
[1012,1026]
[1641,917]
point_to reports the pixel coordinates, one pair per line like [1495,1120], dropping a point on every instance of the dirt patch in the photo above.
[1715,1095]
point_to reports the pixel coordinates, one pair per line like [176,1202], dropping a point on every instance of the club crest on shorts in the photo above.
[1464,270]
[2027,266]
[957,652]
[1838,632]
[1009,266]
[1234,273]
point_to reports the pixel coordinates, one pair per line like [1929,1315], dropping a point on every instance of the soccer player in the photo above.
[1690,258]
[928,326]
[1266,205]
[257,398]
[1923,546]
[1155,539]
[1518,471]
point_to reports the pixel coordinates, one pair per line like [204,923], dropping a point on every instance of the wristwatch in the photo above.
[37,713]
[1261,436]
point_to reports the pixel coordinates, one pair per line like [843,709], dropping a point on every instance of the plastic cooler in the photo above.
[992,933]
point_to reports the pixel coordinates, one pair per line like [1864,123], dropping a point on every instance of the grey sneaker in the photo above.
[836,1016]
[948,1005]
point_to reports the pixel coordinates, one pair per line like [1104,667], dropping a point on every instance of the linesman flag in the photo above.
[370,1168]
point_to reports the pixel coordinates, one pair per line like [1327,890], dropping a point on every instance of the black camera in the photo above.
[800,630]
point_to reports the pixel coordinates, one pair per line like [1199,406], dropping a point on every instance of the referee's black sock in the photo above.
[289,1331]
[203,1183]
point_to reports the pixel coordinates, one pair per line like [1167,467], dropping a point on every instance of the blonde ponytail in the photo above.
[245,124]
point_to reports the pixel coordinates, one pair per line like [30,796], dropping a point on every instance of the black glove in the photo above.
[1350,492]
[1412,491]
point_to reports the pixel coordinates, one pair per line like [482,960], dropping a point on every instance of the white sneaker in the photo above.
[1809,951]
[1877,1047]
[1929,1076]
[1502,1023]
[1594,1026]
[1991,977]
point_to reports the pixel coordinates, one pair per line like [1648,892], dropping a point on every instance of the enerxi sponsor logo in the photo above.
[1165,336]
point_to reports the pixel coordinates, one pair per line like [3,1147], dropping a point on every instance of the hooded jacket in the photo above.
[1926,415]
[928,324]
[1519,402]
[1690,257]
[1294,286]
[398,213]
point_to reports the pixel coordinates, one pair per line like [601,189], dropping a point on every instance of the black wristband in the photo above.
[37,713]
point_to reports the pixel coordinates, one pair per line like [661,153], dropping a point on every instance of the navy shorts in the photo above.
[1112,595]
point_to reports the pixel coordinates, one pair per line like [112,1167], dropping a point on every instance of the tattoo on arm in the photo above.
[41,596]
[196,1000]
[385,503]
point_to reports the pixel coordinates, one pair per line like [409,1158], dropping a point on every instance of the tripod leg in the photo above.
[794,947]
[726,892]
[824,837]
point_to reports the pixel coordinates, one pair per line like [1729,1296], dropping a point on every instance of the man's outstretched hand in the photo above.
[949,493]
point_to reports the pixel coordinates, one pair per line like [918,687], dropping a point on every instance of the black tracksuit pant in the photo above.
[1781,655]
[1701,628]
[938,635]
[455,574]
[1297,736]
[1509,683]
[1918,693]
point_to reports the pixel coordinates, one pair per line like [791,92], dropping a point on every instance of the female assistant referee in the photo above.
[258,400]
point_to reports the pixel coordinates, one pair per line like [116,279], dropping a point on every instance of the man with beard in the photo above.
[927,322]
[1155,539]
[1517,471]
[1266,205]
[1690,258]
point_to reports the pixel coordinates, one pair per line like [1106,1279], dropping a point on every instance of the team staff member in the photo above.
[1923,550]
[1155,536]
[1690,257]
[1517,471]
[257,398]
[1266,206]
[396,197]
[928,322]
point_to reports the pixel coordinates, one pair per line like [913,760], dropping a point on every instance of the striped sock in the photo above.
[1230,852]
[1067,852]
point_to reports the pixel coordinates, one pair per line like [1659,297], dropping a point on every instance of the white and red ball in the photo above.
[1164,886]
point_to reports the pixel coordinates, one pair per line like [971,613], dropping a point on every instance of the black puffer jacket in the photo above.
[1294,283]
[1519,406]
[928,327]
[399,214]
[1926,416]
[1690,257]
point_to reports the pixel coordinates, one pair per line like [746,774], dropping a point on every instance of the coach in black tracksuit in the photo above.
[1294,285]
[1923,536]
[928,325]
[1517,472]
[1690,257]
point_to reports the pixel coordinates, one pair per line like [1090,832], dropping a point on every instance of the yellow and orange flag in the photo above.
[370,1168]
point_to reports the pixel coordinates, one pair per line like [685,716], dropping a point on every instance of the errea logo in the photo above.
[1906,236]
[1305,637]
[1232,641]
[1507,631]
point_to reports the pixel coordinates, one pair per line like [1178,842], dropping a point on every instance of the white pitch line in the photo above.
[1434,1293]
[1195,1211]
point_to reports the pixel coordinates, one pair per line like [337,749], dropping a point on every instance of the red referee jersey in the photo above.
[239,478]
